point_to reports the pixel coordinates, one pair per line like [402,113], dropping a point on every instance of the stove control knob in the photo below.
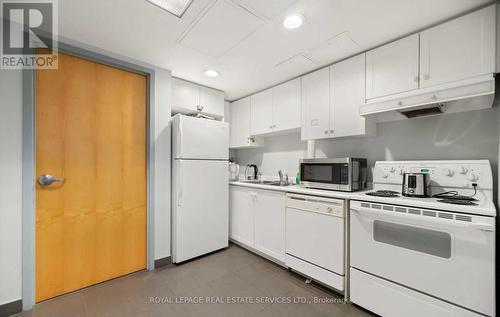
[392,169]
[473,177]
[449,172]
[385,174]
[462,170]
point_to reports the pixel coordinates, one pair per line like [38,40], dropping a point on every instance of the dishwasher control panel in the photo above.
[329,206]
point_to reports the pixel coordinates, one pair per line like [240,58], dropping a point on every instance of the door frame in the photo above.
[29,163]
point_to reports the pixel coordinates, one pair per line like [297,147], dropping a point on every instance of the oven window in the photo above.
[432,242]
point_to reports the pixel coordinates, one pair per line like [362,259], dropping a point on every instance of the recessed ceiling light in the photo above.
[293,21]
[211,73]
[176,7]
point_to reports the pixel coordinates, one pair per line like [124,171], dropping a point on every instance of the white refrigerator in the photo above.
[200,199]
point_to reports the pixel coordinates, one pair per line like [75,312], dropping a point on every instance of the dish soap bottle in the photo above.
[297,178]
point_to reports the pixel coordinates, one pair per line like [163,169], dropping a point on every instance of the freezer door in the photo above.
[195,138]
[200,218]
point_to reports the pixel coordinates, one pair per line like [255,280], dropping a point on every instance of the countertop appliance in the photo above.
[415,184]
[315,238]
[345,174]
[415,256]
[200,212]
[234,170]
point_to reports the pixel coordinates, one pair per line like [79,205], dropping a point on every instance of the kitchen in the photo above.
[285,169]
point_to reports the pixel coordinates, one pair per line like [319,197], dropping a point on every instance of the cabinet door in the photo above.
[459,49]
[348,85]
[233,125]
[241,215]
[212,101]
[316,104]
[261,112]
[270,223]
[185,96]
[286,105]
[392,68]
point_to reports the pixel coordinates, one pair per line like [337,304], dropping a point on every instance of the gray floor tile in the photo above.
[232,282]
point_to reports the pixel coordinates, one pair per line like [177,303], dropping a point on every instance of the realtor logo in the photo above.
[29,34]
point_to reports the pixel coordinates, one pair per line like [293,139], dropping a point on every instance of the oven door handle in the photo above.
[426,220]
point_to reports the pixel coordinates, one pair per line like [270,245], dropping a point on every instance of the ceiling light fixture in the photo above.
[176,7]
[293,21]
[211,73]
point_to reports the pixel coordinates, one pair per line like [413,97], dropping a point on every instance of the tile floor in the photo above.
[233,274]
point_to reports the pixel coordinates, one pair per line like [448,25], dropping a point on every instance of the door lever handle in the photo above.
[47,180]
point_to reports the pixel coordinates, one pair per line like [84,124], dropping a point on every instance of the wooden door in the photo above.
[91,131]
[392,68]
[261,112]
[316,105]
[459,49]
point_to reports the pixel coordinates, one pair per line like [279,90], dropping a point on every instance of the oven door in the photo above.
[448,256]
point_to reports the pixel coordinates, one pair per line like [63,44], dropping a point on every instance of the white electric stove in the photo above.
[425,256]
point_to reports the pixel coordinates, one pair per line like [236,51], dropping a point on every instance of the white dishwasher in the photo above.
[315,238]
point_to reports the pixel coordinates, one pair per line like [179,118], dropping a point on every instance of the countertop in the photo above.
[485,207]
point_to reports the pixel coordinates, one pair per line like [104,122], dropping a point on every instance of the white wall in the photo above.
[10,185]
[467,135]
[11,171]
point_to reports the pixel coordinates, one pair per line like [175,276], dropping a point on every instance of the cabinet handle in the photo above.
[400,103]
[326,131]
[331,131]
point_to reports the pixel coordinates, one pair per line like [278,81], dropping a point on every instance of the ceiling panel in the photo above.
[245,45]
[334,49]
[220,29]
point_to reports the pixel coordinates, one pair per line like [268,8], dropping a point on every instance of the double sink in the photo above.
[261,182]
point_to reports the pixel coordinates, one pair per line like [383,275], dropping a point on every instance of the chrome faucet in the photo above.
[283,180]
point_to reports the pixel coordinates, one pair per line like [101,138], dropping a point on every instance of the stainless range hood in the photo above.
[466,95]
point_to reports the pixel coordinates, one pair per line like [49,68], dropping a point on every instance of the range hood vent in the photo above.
[466,95]
[422,112]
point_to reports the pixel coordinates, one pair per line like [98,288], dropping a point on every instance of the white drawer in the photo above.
[391,300]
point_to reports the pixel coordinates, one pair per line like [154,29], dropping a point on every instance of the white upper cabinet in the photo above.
[347,82]
[286,105]
[316,105]
[459,49]
[276,109]
[212,101]
[187,97]
[239,125]
[261,112]
[392,68]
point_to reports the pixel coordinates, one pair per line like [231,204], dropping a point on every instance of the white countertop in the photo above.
[485,207]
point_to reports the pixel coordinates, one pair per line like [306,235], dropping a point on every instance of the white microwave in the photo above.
[344,174]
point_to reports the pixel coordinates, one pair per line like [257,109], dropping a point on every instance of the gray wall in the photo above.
[10,185]
[467,135]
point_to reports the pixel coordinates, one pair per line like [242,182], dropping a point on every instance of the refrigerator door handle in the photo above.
[179,184]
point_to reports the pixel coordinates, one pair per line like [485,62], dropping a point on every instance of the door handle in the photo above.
[47,180]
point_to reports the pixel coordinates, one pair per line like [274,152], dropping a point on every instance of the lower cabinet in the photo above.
[257,220]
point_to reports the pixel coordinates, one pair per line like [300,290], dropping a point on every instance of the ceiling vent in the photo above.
[176,7]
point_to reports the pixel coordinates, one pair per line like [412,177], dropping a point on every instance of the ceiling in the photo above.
[244,39]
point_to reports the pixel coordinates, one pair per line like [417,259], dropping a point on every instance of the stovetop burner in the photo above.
[455,201]
[384,193]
